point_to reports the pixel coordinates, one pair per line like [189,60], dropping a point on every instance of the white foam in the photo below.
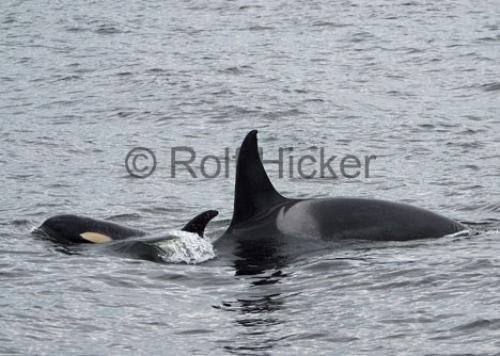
[187,248]
[35,229]
[461,233]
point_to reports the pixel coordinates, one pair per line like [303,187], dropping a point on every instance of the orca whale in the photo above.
[73,229]
[262,216]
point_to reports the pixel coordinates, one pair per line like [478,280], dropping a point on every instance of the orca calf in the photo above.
[73,229]
[261,213]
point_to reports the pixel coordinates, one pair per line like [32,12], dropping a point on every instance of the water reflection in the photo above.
[257,318]
[258,314]
[257,257]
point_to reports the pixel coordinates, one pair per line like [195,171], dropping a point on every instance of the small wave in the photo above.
[106,29]
[493,207]
[247,7]
[20,222]
[235,69]
[260,28]
[155,70]
[461,233]
[479,324]
[329,24]
[68,77]
[75,29]
[491,87]
[489,39]
[186,248]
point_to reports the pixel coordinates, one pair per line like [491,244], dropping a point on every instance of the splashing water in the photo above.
[187,247]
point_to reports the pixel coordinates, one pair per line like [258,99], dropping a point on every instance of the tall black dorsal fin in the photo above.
[200,221]
[253,189]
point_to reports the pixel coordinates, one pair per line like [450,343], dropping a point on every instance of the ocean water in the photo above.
[413,83]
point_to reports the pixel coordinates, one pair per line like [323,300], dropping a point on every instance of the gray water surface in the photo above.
[415,83]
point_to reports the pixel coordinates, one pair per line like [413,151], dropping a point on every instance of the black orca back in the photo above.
[69,229]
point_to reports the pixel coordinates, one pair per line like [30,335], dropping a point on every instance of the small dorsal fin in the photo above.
[253,189]
[95,237]
[200,221]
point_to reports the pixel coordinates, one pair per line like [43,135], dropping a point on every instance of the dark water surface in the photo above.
[415,83]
